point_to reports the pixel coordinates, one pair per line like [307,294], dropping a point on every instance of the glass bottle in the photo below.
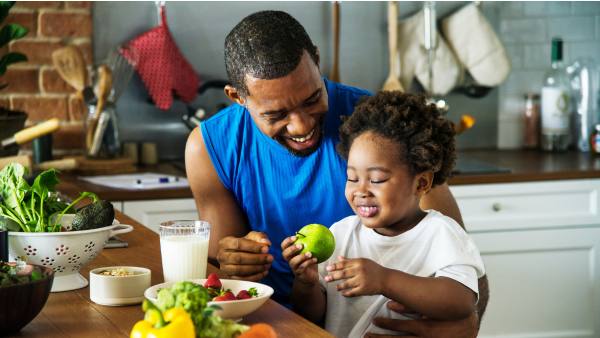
[556,107]
[531,137]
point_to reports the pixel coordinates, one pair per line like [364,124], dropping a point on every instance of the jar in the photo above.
[595,139]
[531,125]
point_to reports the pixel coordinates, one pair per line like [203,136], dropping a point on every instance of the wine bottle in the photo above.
[556,103]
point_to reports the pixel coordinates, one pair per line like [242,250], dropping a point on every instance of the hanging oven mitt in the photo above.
[413,58]
[161,65]
[476,46]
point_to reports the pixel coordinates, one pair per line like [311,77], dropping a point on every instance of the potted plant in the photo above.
[11,121]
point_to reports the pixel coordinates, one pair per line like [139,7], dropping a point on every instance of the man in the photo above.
[266,166]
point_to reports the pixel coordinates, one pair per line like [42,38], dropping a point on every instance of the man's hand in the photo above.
[303,266]
[426,328]
[245,258]
[361,276]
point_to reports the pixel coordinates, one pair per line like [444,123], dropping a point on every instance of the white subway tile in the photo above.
[515,53]
[558,8]
[523,30]
[524,81]
[536,56]
[585,7]
[511,9]
[534,8]
[575,28]
[587,49]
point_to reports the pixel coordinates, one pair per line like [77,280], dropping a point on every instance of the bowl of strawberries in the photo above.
[235,298]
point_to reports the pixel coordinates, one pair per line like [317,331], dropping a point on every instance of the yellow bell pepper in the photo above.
[172,323]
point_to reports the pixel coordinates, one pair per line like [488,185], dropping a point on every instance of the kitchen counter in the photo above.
[480,167]
[526,166]
[73,314]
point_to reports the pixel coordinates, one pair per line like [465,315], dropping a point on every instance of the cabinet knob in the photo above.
[496,207]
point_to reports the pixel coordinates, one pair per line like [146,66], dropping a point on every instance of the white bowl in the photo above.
[119,290]
[64,252]
[233,309]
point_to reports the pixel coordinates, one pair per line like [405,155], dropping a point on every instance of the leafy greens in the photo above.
[34,208]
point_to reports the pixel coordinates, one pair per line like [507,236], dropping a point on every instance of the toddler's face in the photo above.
[380,188]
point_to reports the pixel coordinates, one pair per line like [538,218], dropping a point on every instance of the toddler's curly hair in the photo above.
[425,137]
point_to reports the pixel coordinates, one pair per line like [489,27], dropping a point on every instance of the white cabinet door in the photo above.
[153,212]
[543,283]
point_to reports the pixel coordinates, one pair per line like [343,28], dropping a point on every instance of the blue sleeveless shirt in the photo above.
[280,192]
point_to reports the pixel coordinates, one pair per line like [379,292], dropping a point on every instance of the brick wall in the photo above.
[526,29]
[35,86]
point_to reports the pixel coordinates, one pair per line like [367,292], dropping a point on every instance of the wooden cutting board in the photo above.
[88,166]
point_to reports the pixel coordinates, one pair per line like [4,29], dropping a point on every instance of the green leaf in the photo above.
[5,6]
[10,58]
[11,32]
[44,183]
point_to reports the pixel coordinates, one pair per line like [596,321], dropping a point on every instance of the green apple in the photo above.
[317,239]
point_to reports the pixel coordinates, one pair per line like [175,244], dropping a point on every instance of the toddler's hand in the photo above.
[303,266]
[360,276]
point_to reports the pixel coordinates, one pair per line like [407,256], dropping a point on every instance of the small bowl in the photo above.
[20,303]
[119,290]
[232,309]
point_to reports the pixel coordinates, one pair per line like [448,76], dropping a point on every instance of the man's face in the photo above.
[290,109]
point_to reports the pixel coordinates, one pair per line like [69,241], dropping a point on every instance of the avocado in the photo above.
[95,215]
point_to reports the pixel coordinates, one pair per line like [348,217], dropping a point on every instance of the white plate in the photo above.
[233,309]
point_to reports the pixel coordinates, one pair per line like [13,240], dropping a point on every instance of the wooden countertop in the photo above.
[520,165]
[526,166]
[73,314]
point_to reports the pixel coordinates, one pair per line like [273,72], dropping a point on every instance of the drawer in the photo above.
[551,204]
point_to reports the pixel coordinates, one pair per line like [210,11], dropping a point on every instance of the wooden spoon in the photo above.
[102,92]
[335,72]
[392,82]
[70,64]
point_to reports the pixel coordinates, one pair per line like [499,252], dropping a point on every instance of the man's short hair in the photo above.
[265,45]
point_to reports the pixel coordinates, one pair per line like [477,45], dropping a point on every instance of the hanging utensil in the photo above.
[122,70]
[335,72]
[103,89]
[70,64]
[392,82]
[30,133]
[430,41]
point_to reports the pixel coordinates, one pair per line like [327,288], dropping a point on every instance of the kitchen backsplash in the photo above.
[199,29]
[526,29]
[35,86]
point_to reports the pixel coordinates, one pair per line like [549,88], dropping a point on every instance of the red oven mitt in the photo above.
[161,65]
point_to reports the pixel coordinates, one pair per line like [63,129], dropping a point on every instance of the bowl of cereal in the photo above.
[119,285]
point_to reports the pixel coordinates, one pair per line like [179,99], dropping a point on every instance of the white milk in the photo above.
[183,257]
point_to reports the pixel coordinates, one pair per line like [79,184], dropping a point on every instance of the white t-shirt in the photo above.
[437,246]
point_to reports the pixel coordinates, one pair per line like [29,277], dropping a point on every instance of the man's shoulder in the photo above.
[228,114]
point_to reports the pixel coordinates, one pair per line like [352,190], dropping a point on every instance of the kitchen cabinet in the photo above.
[540,242]
[151,213]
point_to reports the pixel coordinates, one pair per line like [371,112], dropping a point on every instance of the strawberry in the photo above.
[245,294]
[228,295]
[213,282]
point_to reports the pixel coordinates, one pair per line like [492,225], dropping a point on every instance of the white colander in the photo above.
[65,252]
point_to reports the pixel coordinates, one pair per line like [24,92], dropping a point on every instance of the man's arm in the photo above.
[238,257]
[440,198]
[214,202]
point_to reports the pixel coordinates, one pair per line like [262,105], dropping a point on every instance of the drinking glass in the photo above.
[184,249]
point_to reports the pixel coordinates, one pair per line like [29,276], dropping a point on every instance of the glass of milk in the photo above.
[184,249]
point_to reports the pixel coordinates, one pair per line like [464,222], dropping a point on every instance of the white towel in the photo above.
[413,58]
[476,46]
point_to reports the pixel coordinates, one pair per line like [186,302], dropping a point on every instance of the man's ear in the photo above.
[423,182]
[318,57]
[233,94]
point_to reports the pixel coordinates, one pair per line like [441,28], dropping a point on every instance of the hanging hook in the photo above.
[159,8]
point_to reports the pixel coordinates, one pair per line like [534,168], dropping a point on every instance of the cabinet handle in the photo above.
[496,207]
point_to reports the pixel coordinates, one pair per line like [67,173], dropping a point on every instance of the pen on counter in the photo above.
[157,180]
